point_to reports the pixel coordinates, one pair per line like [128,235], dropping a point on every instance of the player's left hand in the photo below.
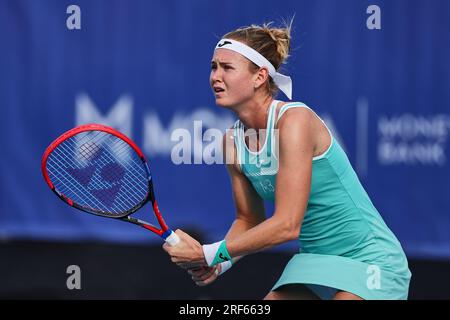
[188,253]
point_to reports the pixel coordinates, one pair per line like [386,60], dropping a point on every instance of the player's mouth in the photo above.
[218,90]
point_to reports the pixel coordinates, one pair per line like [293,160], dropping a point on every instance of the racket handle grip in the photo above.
[172,238]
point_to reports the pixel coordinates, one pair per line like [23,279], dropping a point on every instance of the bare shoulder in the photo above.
[303,126]
[296,131]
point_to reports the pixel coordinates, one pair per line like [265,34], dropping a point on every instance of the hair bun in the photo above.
[281,37]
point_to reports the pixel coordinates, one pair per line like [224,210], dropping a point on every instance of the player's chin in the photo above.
[221,101]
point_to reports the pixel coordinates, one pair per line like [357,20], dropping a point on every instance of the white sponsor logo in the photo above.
[413,139]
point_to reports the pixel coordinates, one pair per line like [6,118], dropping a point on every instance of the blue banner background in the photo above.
[143,66]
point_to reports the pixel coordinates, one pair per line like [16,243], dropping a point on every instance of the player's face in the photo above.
[231,79]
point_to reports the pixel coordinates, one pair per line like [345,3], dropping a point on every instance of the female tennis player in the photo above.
[346,249]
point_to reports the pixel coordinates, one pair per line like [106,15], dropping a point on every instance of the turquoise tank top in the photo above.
[340,218]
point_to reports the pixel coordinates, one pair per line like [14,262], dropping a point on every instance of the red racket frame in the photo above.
[150,195]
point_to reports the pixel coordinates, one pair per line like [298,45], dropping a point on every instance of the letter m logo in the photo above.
[120,115]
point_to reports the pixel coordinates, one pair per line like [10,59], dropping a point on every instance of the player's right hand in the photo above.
[203,276]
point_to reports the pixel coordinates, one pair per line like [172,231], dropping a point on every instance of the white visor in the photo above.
[283,82]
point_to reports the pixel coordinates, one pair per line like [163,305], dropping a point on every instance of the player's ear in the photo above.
[261,76]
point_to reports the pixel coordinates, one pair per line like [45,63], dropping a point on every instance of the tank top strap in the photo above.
[270,126]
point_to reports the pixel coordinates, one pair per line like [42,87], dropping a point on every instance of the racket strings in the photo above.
[67,186]
[102,191]
[72,187]
[105,173]
[119,152]
[133,197]
[103,194]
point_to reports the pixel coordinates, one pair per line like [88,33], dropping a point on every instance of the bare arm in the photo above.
[292,188]
[249,205]
[250,231]
[249,212]
[249,208]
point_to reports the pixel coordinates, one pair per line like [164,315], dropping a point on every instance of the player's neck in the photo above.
[254,114]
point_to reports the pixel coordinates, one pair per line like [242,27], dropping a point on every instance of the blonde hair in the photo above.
[272,42]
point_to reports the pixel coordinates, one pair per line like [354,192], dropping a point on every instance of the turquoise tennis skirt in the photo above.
[327,274]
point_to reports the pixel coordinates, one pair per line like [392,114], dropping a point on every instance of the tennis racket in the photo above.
[99,170]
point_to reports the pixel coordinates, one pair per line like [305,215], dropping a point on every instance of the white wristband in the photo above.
[209,251]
